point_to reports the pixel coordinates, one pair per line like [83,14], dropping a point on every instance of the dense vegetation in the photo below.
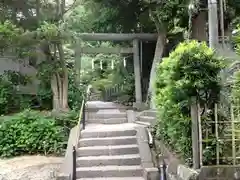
[30,132]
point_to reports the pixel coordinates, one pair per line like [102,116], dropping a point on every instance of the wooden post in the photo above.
[200,136]
[195,133]
[137,72]
[233,134]
[216,131]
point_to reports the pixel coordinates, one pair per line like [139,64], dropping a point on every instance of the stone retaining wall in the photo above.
[176,169]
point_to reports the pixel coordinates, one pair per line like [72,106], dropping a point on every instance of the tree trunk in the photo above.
[65,90]
[64,81]
[161,41]
[54,86]
[60,93]
[59,82]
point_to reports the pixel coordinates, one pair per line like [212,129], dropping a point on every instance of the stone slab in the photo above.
[144,149]
[103,105]
[186,173]
[151,174]
[131,116]
[108,111]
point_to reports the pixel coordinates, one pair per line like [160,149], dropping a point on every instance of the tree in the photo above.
[169,16]
[44,34]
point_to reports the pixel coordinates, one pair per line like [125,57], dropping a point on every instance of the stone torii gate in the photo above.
[135,50]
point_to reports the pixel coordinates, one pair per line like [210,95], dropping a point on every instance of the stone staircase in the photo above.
[146,118]
[109,154]
[95,96]
[108,148]
[111,147]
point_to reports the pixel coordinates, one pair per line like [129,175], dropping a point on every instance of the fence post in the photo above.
[195,133]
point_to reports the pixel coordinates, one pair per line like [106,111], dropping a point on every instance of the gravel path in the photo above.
[30,168]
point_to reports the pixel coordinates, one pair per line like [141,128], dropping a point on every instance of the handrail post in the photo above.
[74,156]
[84,115]
[163,168]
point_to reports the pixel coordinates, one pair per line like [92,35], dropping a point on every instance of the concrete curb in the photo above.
[150,172]
[66,168]
[186,173]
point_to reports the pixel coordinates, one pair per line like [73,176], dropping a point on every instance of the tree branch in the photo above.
[155,20]
[70,7]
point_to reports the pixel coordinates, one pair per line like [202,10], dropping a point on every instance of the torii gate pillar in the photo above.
[137,72]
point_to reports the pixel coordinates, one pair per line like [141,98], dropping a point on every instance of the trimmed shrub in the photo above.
[190,70]
[30,132]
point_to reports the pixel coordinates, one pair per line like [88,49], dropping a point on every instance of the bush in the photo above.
[45,96]
[10,99]
[8,96]
[190,70]
[66,120]
[75,92]
[30,132]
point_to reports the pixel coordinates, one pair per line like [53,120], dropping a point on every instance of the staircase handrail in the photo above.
[81,119]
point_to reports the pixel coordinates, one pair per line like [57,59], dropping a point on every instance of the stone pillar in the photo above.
[213,23]
[78,54]
[137,72]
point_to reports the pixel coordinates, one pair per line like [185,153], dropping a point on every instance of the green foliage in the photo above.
[8,94]
[115,84]
[9,34]
[190,70]
[30,132]
[235,88]
[44,95]
[75,92]
[10,99]
[235,95]
[66,120]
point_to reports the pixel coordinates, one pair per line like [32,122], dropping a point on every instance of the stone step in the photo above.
[107,141]
[108,121]
[118,160]
[147,119]
[110,115]
[109,171]
[96,133]
[150,112]
[113,178]
[108,150]
[147,124]
[103,105]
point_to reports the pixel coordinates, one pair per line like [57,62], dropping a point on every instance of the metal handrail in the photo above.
[82,114]
[160,162]
[74,165]
[150,138]
[163,168]
[78,130]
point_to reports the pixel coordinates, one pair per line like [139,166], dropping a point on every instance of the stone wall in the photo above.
[23,67]
[176,170]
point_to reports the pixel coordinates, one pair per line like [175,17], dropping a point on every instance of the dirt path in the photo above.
[30,168]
